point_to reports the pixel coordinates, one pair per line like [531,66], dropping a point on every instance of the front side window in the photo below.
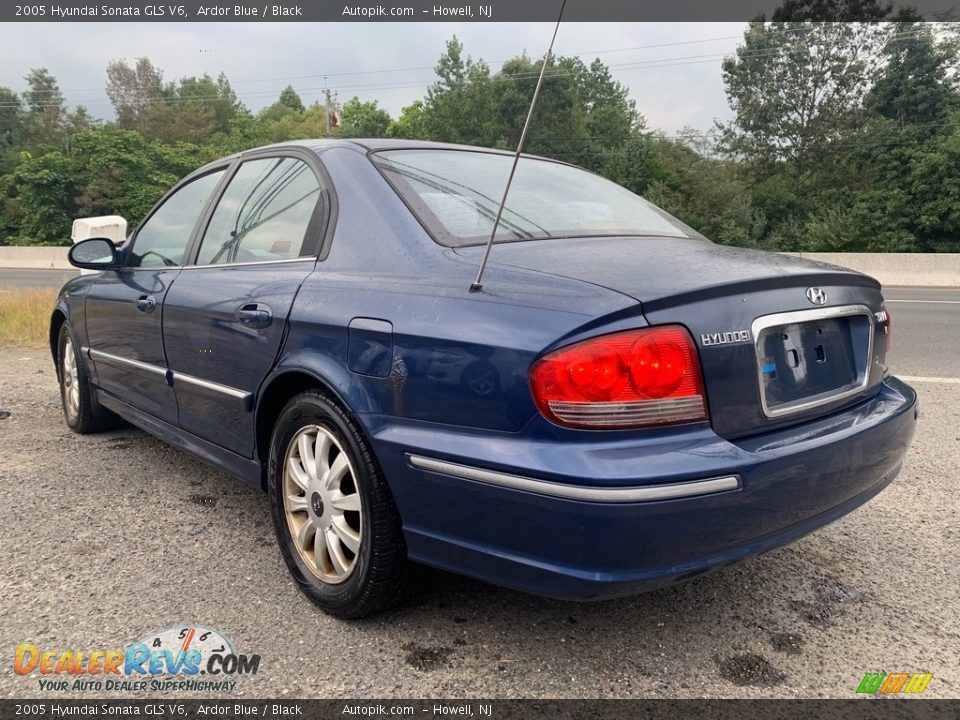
[263,214]
[162,240]
[456,195]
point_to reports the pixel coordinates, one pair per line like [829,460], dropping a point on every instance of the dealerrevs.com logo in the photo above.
[180,658]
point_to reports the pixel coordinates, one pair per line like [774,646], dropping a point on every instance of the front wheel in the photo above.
[81,410]
[336,521]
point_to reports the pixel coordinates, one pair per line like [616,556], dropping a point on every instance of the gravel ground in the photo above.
[106,538]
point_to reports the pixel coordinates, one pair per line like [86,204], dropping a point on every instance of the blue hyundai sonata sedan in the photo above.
[623,404]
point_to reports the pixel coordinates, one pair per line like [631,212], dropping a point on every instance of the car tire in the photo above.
[81,411]
[336,521]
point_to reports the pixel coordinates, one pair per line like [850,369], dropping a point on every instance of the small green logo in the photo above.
[879,683]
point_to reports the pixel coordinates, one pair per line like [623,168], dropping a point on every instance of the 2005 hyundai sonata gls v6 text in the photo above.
[621,405]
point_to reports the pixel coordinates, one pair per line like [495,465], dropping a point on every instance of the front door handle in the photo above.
[255,315]
[146,303]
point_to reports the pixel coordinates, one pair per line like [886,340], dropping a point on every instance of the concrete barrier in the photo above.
[915,269]
[35,258]
[921,269]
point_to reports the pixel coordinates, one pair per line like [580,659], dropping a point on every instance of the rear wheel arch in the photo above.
[278,391]
[352,565]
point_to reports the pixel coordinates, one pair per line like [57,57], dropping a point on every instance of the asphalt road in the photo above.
[106,538]
[926,331]
[13,278]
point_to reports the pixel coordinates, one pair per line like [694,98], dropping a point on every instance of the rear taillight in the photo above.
[638,378]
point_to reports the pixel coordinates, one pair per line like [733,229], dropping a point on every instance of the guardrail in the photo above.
[922,269]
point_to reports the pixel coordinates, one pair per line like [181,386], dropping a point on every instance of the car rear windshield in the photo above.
[456,194]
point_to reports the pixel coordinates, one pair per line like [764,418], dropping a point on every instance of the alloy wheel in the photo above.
[71,381]
[322,504]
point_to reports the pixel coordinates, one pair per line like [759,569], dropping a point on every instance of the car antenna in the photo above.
[477,284]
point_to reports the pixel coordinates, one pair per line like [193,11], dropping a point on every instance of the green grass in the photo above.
[25,317]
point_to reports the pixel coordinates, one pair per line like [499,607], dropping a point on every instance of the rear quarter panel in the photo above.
[457,357]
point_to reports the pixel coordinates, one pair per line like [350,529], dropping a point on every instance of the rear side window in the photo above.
[263,214]
[456,195]
[162,240]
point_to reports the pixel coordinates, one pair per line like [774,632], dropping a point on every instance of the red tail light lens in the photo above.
[638,378]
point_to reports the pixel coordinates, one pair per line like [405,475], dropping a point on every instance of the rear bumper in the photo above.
[545,538]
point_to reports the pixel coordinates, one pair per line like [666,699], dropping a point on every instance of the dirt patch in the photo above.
[749,670]
[787,643]
[427,659]
[831,599]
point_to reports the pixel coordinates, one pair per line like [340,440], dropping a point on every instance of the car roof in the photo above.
[361,145]
[397,144]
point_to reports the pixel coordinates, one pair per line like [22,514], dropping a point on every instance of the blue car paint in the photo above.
[112,316]
[204,337]
[455,387]
[793,481]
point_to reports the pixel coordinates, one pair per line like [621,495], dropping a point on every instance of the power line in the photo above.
[344,89]
[490,62]
[407,84]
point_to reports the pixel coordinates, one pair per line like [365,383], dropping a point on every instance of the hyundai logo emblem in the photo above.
[816,295]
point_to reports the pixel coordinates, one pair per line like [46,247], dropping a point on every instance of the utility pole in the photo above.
[333,112]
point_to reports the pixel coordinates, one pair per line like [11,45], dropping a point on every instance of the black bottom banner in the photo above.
[859,709]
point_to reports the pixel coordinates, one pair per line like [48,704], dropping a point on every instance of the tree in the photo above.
[11,128]
[215,96]
[10,215]
[246,131]
[611,117]
[289,99]
[289,103]
[120,173]
[45,189]
[558,127]
[915,85]
[410,124]
[706,193]
[311,123]
[363,119]
[133,91]
[795,88]
[190,110]
[841,11]
[180,122]
[460,106]
[79,121]
[45,121]
[582,116]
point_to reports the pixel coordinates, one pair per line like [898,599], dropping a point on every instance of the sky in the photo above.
[673,70]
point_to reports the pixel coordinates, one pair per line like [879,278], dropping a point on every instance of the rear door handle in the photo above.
[146,303]
[255,315]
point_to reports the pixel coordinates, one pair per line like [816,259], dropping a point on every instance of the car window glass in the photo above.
[263,214]
[162,240]
[457,193]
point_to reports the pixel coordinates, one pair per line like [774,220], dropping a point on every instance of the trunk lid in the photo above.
[771,356]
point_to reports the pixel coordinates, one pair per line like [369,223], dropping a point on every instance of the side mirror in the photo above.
[94,254]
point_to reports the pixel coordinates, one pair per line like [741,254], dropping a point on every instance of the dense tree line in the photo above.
[845,137]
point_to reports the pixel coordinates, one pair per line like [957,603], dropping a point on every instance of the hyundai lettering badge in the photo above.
[725,338]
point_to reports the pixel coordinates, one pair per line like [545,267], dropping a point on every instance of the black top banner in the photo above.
[483,11]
